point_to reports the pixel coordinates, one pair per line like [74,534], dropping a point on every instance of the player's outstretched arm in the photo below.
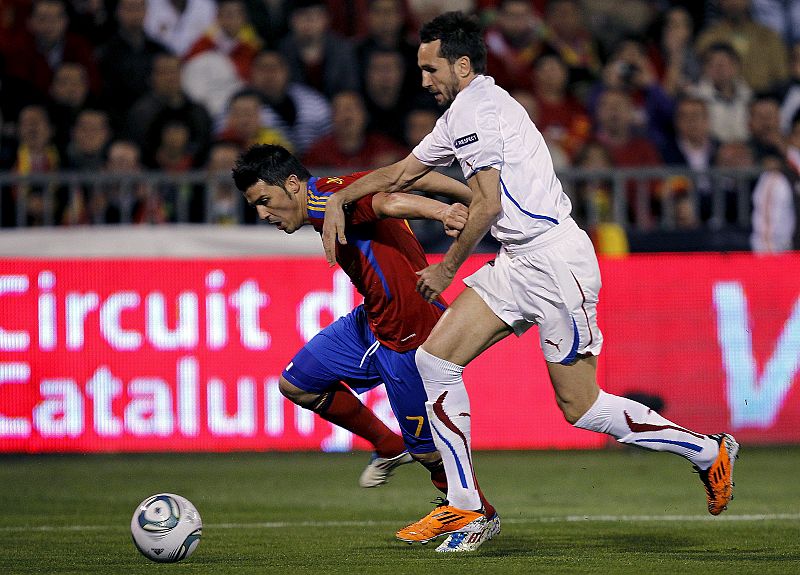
[399,176]
[483,212]
[410,206]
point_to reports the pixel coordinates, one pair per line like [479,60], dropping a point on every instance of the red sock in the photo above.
[345,410]
[439,480]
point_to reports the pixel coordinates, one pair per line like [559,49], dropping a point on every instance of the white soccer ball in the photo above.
[166,527]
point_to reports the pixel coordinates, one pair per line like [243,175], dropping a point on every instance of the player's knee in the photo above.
[298,396]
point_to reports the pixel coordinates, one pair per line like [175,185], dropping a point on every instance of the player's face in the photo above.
[279,206]
[438,75]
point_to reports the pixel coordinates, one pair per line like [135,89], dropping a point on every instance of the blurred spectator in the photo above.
[351,146]
[593,202]
[300,113]
[166,100]
[113,203]
[672,51]
[774,213]
[561,118]
[629,69]
[762,51]
[13,14]
[231,35]
[173,152]
[425,10]
[90,19]
[728,96]
[560,157]
[315,55]
[15,94]
[419,123]
[387,30]
[243,123]
[224,200]
[386,104]
[33,153]
[353,18]
[90,136]
[616,130]
[34,52]
[782,16]
[512,44]
[136,199]
[270,19]
[732,194]
[126,60]
[692,144]
[764,125]
[69,94]
[612,20]
[790,92]
[567,35]
[179,23]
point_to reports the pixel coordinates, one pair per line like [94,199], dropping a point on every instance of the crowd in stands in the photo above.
[181,85]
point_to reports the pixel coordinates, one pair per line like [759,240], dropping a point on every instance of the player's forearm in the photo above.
[481,217]
[436,183]
[408,206]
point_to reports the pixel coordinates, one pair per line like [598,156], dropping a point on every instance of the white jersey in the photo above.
[485,127]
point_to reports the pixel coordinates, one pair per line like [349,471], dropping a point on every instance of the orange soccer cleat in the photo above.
[443,520]
[718,479]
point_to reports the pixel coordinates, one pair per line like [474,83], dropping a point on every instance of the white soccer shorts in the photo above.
[553,282]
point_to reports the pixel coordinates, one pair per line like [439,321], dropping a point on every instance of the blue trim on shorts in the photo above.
[573,353]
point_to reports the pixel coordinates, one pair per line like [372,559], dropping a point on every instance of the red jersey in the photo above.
[381,257]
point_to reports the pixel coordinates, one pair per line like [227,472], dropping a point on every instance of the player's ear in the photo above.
[292,184]
[463,66]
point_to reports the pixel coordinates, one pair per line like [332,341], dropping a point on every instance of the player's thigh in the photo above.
[467,328]
[337,353]
[407,397]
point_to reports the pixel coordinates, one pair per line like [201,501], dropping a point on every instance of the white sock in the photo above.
[449,418]
[631,422]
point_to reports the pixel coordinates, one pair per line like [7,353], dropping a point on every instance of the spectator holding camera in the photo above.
[630,70]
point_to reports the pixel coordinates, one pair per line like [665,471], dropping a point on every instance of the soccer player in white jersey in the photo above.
[545,274]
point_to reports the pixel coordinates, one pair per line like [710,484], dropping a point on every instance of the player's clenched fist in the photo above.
[454,219]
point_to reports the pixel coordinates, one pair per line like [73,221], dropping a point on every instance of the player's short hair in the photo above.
[460,35]
[267,162]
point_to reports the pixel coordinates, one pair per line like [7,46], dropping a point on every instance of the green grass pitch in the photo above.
[610,512]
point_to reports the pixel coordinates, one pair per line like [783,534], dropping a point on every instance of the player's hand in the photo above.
[433,280]
[333,228]
[455,218]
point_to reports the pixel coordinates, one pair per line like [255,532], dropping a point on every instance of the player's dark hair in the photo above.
[460,35]
[272,164]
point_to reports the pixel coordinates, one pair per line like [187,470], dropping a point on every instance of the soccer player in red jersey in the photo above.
[376,342]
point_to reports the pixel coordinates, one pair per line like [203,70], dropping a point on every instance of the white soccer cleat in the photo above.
[465,541]
[380,468]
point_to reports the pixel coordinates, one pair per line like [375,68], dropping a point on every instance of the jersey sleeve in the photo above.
[477,142]
[358,212]
[435,149]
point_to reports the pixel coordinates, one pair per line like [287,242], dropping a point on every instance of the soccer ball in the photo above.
[166,527]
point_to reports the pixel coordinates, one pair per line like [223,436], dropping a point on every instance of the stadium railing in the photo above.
[643,201]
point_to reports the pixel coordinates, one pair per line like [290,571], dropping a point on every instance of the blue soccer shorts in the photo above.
[348,351]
